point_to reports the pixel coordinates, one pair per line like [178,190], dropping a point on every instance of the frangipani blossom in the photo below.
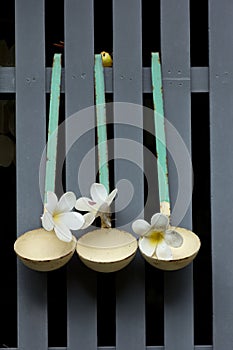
[58,216]
[156,238]
[98,205]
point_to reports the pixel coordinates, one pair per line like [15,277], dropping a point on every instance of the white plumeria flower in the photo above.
[58,216]
[156,238]
[98,205]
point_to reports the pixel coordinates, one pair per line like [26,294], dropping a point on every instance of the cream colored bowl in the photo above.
[182,256]
[41,250]
[106,249]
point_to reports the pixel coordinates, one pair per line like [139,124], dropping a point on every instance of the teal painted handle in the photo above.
[50,173]
[101,123]
[160,133]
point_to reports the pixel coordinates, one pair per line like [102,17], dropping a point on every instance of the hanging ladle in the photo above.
[105,249]
[184,254]
[39,249]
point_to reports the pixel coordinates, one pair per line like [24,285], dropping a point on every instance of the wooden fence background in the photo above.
[139,307]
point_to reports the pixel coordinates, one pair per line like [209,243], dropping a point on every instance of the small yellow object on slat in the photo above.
[106,59]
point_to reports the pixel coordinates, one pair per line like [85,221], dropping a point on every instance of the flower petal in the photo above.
[47,221]
[160,222]
[173,238]
[72,220]
[163,251]
[51,202]
[146,246]
[98,193]
[66,202]
[141,227]
[104,208]
[62,232]
[86,204]
[89,218]
[111,196]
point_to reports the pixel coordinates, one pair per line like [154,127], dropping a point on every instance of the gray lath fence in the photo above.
[128,80]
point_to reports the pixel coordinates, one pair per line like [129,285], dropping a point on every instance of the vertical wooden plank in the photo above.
[79,90]
[128,119]
[221,126]
[175,49]
[30,141]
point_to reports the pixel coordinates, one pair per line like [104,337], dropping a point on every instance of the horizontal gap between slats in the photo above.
[196,347]
[199,79]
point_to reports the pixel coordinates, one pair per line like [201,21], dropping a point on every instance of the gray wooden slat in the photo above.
[127,86]
[175,50]
[30,141]
[197,347]
[199,79]
[221,126]
[79,90]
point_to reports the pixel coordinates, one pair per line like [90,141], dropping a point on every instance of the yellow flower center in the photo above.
[156,237]
[56,218]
